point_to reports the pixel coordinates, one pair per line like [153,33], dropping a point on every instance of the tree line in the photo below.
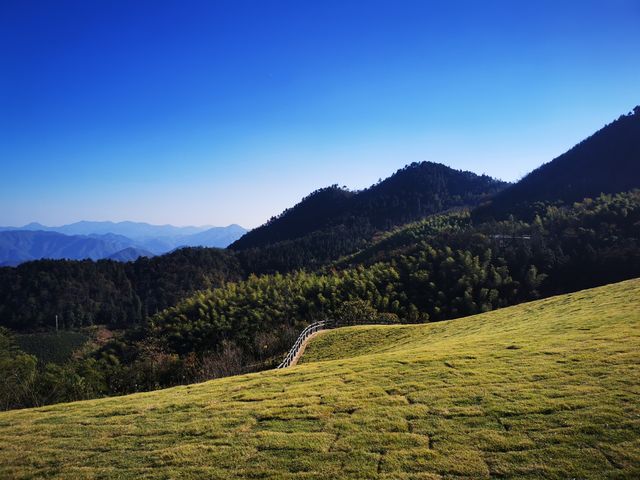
[120,295]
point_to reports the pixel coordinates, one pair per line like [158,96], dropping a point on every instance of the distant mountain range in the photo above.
[123,241]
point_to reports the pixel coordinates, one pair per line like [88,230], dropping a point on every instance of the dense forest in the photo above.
[443,267]
[85,293]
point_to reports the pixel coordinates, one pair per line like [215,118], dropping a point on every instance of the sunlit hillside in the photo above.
[544,389]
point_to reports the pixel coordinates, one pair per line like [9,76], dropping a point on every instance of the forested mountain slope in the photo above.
[107,292]
[606,162]
[540,390]
[441,268]
[332,222]
[413,192]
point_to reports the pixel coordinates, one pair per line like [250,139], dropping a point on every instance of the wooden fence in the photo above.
[317,326]
[306,333]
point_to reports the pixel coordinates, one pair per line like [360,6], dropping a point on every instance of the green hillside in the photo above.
[547,389]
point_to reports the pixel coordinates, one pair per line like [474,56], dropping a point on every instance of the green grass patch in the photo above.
[548,389]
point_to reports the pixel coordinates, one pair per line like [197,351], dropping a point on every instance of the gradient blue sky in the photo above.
[218,112]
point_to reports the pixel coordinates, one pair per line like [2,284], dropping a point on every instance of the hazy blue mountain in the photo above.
[132,230]
[33,226]
[219,237]
[213,237]
[159,245]
[113,239]
[17,246]
[154,239]
[130,254]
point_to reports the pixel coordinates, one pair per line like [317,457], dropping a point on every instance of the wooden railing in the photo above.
[306,333]
[321,325]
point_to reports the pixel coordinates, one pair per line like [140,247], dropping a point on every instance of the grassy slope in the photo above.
[548,389]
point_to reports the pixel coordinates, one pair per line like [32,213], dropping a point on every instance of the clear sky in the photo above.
[218,112]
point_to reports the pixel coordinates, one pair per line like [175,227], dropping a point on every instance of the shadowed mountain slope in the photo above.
[332,222]
[413,192]
[606,162]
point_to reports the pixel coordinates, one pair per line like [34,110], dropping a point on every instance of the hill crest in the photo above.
[606,162]
[411,193]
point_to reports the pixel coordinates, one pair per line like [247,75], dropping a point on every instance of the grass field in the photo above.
[549,389]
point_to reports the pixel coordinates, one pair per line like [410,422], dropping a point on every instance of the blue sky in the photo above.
[218,112]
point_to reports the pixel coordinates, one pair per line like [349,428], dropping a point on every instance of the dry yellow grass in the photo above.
[548,389]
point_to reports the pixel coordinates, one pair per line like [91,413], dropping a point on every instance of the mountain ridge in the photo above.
[608,161]
[19,244]
[411,193]
[129,254]
[126,228]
